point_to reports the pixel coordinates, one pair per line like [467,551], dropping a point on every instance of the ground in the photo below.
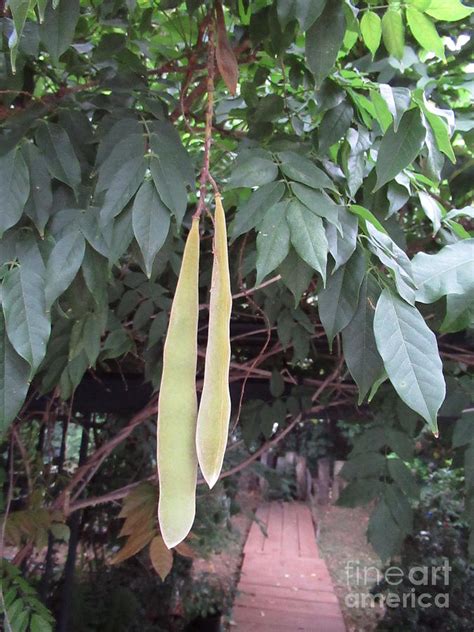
[343,545]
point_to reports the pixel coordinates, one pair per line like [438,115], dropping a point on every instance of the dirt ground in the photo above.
[226,565]
[352,563]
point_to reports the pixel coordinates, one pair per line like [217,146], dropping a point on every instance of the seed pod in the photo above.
[214,409]
[177,404]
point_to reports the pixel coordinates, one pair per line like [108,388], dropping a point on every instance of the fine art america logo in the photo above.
[423,586]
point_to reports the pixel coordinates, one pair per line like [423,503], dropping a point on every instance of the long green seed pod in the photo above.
[214,408]
[177,404]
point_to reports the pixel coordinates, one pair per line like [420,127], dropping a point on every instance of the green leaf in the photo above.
[371,30]
[435,159]
[421,5]
[130,148]
[398,149]
[124,186]
[296,274]
[308,236]
[250,213]
[359,492]
[450,271]
[342,244]
[19,10]
[440,129]
[410,355]
[463,433]
[403,477]
[171,146]
[459,312]
[63,265]
[60,531]
[424,32]
[467,211]
[361,465]
[24,307]
[400,507]
[38,206]
[396,260]
[400,442]
[334,125]
[398,101]
[58,153]
[273,241]
[94,270]
[301,169]
[14,188]
[120,236]
[353,158]
[337,302]
[39,624]
[169,178]
[383,532]
[448,10]
[151,223]
[358,340]
[398,195]
[318,203]
[85,336]
[367,215]
[432,210]
[252,169]
[393,32]
[58,28]
[382,113]
[41,7]
[324,40]
[305,12]
[14,376]
[113,135]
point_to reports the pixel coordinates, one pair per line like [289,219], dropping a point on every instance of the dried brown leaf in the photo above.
[143,494]
[226,60]
[135,543]
[161,557]
[185,550]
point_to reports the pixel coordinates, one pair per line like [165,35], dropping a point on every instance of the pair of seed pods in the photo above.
[187,436]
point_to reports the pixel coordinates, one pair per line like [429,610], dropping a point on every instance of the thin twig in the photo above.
[205,176]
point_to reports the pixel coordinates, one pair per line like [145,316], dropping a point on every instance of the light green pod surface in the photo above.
[214,408]
[177,403]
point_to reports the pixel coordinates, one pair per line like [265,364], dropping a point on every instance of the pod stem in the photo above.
[205,176]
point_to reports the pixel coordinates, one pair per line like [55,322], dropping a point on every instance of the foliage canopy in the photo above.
[342,144]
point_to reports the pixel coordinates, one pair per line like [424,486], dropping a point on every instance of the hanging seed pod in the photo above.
[214,409]
[177,404]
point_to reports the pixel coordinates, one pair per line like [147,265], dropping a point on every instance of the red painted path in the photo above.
[285,585]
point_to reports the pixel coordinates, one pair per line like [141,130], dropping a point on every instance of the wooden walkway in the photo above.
[285,585]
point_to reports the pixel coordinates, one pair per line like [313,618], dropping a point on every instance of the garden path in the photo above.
[284,584]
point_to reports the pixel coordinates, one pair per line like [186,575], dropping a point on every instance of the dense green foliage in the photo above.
[345,160]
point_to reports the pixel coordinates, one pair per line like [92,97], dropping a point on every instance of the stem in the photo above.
[205,174]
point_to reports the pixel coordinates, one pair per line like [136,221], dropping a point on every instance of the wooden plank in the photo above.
[314,581]
[289,605]
[256,537]
[275,564]
[264,566]
[291,620]
[275,525]
[306,534]
[323,594]
[290,541]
